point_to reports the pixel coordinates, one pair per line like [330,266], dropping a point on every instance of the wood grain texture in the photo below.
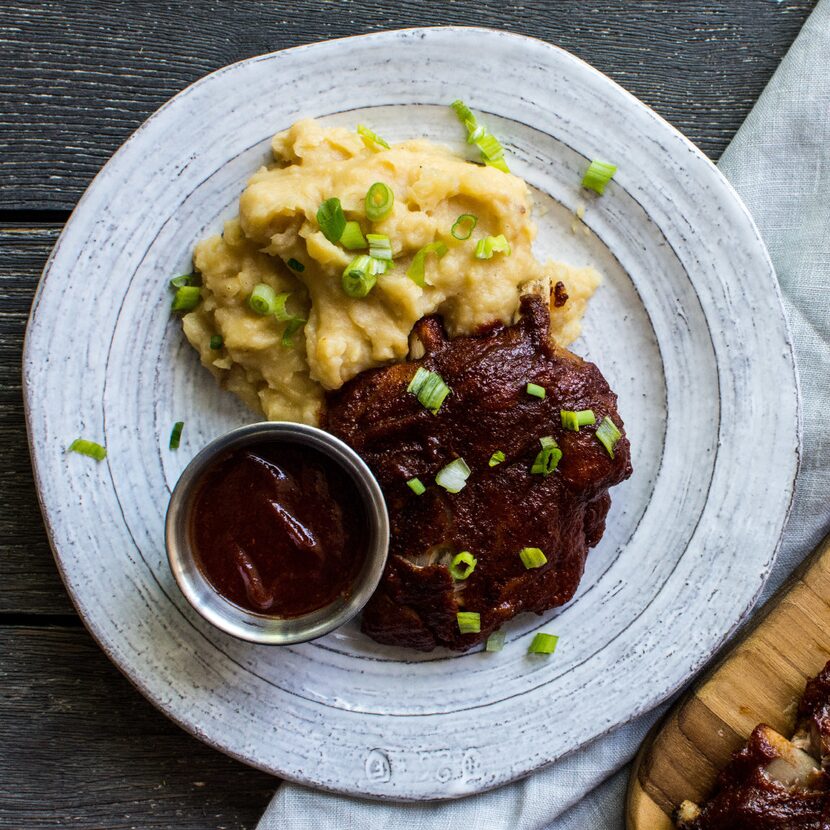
[82,749]
[759,680]
[77,78]
[29,582]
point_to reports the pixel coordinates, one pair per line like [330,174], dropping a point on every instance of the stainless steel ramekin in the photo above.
[258,628]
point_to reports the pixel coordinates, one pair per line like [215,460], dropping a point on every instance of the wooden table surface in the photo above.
[79,747]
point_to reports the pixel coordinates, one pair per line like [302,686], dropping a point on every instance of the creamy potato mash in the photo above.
[344,336]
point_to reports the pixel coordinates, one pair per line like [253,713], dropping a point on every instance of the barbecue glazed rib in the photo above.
[773,783]
[503,508]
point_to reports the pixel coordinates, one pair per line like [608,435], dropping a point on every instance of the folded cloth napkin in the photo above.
[779,162]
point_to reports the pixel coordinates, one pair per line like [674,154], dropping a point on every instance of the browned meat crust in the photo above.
[772,783]
[503,508]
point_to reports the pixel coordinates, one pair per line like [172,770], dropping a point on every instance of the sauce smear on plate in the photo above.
[279,529]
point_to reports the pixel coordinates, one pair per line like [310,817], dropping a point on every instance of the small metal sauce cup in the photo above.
[260,628]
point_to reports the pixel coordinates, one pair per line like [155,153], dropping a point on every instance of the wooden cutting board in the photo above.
[760,680]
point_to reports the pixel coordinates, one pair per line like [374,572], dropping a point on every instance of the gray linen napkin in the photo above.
[779,162]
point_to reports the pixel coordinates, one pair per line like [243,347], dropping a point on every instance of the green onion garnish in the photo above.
[489,245]
[263,299]
[536,390]
[453,477]
[352,238]
[462,565]
[295,265]
[469,622]
[380,246]
[429,388]
[331,219]
[176,435]
[463,226]
[495,642]
[543,644]
[598,174]
[186,298]
[359,276]
[278,307]
[496,458]
[90,448]
[548,457]
[216,342]
[532,557]
[292,327]
[180,282]
[492,153]
[379,201]
[608,434]
[417,271]
[416,486]
[574,420]
[370,139]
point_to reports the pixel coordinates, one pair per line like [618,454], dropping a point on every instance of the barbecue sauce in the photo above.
[279,529]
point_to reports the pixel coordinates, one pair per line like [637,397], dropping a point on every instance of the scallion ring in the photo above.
[331,219]
[543,643]
[379,201]
[352,237]
[598,174]
[90,448]
[186,298]
[417,268]
[180,282]
[263,299]
[496,458]
[536,390]
[371,139]
[574,420]
[295,265]
[463,227]
[489,245]
[532,558]
[380,246]
[216,342]
[495,642]
[608,435]
[291,328]
[548,458]
[176,435]
[462,565]
[359,277]
[429,388]
[453,477]
[469,622]
[416,486]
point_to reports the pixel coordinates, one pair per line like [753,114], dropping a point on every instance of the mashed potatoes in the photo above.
[344,336]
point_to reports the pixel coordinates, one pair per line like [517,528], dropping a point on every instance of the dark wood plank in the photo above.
[29,581]
[77,78]
[82,749]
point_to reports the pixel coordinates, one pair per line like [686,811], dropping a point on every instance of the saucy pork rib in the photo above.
[772,783]
[503,508]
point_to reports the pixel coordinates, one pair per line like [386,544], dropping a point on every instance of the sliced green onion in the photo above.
[429,388]
[371,138]
[279,309]
[263,299]
[180,282]
[359,277]
[532,558]
[380,246]
[293,326]
[331,219]
[379,201]
[90,448]
[216,342]
[417,270]
[186,298]
[598,174]
[543,644]
[536,390]
[469,622]
[176,435]
[462,565]
[608,435]
[495,642]
[548,457]
[574,420]
[496,458]
[463,227]
[352,237]
[492,153]
[453,477]
[489,245]
[296,265]
[416,486]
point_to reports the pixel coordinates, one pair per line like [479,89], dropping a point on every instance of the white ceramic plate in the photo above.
[687,327]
